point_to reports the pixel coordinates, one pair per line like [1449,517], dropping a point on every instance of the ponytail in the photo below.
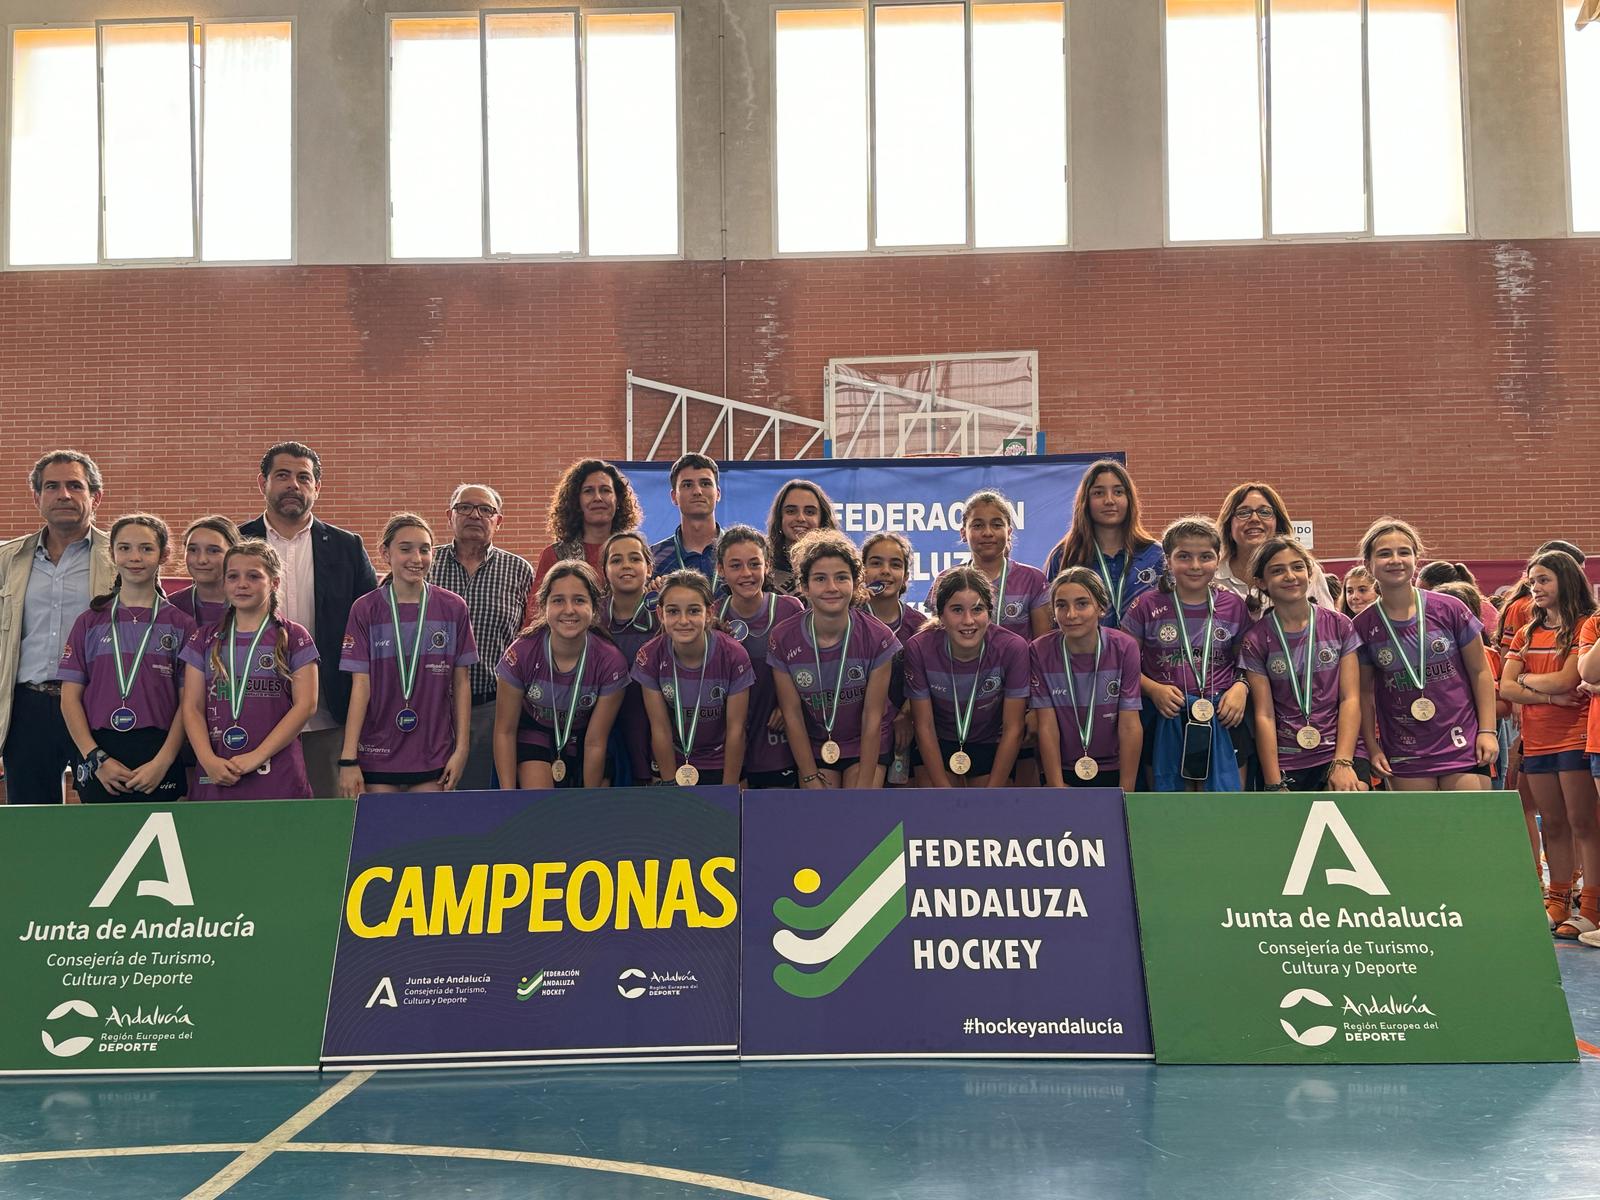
[102,602]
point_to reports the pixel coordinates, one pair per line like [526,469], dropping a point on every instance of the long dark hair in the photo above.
[565,522]
[1574,599]
[163,539]
[778,546]
[1077,546]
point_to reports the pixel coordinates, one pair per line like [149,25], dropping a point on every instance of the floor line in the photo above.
[125,1151]
[258,1153]
[1588,1049]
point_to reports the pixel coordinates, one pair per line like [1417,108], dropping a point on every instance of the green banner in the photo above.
[138,937]
[1368,927]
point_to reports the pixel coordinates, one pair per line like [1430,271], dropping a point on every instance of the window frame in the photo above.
[581,14]
[1264,86]
[1566,123]
[873,250]
[197,142]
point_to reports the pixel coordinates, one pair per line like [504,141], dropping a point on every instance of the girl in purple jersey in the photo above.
[409,724]
[1188,631]
[799,507]
[561,684]
[1426,687]
[1022,594]
[1087,675]
[968,682]
[886,567]
[120,676]
[1301,665]
[696,682]
[250,688]
[205,547]
[831,669]
[1108,536]
[749,613]
[631,622]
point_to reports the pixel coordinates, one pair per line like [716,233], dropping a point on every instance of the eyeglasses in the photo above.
[1265,512]
[482,510]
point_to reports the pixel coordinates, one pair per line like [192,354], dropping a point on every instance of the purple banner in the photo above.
[560,926]
[940,923]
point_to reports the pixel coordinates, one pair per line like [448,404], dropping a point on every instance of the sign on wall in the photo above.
[1363,927]
[993,923]
[539,926]
[921,498]
[191,937]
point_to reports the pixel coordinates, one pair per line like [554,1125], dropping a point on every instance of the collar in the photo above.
[39,546]
[273,535]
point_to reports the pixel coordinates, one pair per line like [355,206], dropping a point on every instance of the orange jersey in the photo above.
[1547,728]
[1588,635]
[1515,618]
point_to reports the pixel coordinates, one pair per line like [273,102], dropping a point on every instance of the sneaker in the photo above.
[1590,939]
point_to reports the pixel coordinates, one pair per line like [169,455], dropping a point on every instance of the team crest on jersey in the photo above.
[1146,576]
[1113,688]
[265,662]
[718,691]
[438,639]
[1327,656]
[668,691]
[1219,634]
[535,691]
[1277,665]
[1385,656]
[1013,609]
[991,684]
[587,700]
[855,673]
[169,641]
[1167,633]
[803,678]
[1438,645]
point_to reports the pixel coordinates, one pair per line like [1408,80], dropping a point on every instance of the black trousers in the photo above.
[37,748]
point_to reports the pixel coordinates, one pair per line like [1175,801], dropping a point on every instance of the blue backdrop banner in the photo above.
[942,923]
[502,927]
[921,498]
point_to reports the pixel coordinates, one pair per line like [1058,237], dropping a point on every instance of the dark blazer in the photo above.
[343,574]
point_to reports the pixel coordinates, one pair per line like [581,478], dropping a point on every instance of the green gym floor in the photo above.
[841,1131]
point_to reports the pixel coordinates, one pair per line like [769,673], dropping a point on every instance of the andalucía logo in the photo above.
[853,919]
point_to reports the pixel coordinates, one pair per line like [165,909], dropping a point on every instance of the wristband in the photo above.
[1344,762]
[1281,786]
[810,777]
[349,762]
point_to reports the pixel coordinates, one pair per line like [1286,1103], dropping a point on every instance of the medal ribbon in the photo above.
[1122,580]
[233,680]
[1302,701]
[686,741]
[408,671]
[1202,670]
[562,734]
[964,723]
[1416,677]
[1085,731]
[829,716]
[633,622]
[125,680]
[772,608]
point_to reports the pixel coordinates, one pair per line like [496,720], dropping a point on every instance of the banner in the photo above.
[1367,927]
[569,925]
[921,498]
[987,923]
[136,937]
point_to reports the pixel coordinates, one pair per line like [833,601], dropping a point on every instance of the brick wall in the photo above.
[1451,382]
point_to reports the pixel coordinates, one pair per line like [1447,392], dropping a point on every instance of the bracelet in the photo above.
[348,762]
[810,777]
[1281,786]
[1343,762]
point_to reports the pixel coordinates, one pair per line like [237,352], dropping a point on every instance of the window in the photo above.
[912,125]
[1583,102]
[1307,118]
[534,132]
[150,141]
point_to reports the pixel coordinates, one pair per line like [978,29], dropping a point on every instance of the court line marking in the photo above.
[262,1150]
[247,1150]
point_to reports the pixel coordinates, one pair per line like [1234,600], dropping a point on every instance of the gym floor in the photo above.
[889,1130]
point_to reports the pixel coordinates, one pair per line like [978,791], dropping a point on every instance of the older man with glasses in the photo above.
[495,584]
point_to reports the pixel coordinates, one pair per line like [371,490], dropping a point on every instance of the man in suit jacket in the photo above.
[325,570]
[47,579]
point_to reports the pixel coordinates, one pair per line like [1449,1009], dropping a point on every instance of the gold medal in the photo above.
[1309,737]
[558,770]
[1202,711]
[688,775]
[1422,708]
[830,752]
[1086,768]
[960,762]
